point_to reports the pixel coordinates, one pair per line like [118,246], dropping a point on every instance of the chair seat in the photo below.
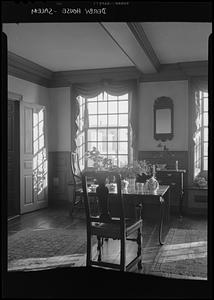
[109,230]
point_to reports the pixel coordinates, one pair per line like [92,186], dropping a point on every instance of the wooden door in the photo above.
[13,179]
[33,158]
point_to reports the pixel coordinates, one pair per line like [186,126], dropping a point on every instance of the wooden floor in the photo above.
[188,226]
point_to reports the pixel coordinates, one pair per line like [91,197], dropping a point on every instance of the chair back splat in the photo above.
[76,183]
[105,226]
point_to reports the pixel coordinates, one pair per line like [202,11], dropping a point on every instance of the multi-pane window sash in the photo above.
[103,123]
[201,134]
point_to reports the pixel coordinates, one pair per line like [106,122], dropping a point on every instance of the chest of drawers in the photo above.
[175,179]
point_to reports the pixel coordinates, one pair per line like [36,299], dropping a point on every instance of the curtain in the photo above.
[197,85]
[114,88]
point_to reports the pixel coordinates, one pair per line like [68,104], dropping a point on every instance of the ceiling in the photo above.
[179,42]
[81,46]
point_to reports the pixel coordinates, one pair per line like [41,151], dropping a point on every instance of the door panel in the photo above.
[33,157]
[28,130]
[28,190]
[13,159]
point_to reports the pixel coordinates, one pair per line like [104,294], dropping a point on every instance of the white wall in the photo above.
[60,120]
[31,92]
[57,103]
[149,92]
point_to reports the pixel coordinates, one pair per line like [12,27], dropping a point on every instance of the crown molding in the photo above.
[177,71]
[25,69]
[66,78]
[195,68]
[141,37]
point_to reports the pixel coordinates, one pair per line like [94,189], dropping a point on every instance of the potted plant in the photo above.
[96,157]
[143,171]
[138,171]
[200,181]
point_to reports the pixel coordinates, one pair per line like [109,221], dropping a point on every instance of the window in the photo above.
[103,122]
[80,140]
[201,134]
[40,163]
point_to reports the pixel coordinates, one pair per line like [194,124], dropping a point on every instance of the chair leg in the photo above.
[139,249]
[82,201]
[72,204]
[88,257]
[123,254]
[99,244]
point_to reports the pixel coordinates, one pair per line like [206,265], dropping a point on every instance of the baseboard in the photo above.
[13,217]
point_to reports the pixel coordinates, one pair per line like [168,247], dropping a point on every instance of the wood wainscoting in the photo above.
[166,157]
[59,177]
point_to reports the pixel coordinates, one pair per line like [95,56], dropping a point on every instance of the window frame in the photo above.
[201,130]
[196,85]
[87,127]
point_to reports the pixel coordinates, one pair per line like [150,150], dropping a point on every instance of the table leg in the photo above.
[164,214]
[162,206]
[181,206]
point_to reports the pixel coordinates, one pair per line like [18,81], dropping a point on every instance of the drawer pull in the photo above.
[173,183]
[169,175]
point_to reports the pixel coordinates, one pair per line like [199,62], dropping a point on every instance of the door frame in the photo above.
[16,97]
[29,200]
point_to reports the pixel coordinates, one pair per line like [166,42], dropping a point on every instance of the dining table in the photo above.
[159,200]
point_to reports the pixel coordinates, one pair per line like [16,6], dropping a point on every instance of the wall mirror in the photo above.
[163,119]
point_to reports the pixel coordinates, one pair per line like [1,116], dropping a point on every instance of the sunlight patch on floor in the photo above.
[41,263]
[184,245]
[182,251]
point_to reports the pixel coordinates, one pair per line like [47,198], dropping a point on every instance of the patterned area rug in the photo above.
[181,257]
[46,243]
[35,246]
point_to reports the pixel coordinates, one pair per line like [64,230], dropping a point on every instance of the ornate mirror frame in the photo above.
[163,103]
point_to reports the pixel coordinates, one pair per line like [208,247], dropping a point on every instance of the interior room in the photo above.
[99,96]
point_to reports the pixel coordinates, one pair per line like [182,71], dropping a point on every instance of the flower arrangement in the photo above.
[99,161]
[141,170]
[107,163]
[95,156]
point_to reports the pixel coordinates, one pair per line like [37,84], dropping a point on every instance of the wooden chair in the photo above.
[104,226]
[76,182]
